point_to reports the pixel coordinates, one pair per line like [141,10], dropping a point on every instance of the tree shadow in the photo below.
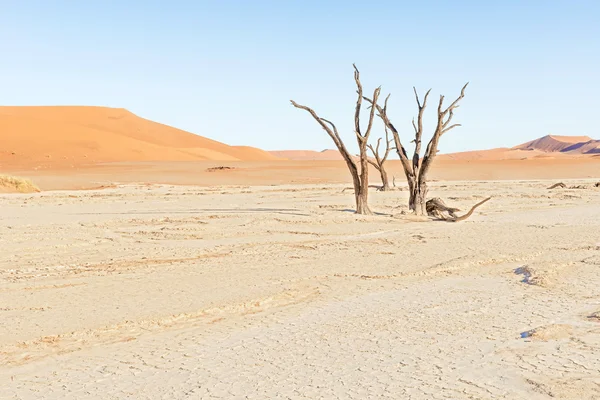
[348,210]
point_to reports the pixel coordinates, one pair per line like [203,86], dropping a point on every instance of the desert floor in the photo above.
[263,292]
[253,173]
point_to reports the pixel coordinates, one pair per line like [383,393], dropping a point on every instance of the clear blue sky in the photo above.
[227,69]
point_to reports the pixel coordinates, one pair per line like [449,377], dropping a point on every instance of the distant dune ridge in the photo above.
[549,146]
[328,154]
[563,144]
[69,136]
[58,135]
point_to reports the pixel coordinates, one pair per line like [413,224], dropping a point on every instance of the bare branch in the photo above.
[441,128]
[438,209]
[387,132]
[450,116]
[419,129]
[450,127]
[455,102]
[440,104]
[374,164]
[417,97]
[332,132]
[363,138]
[358,103]
[467,215]
[388,149]
[406,165]
[385,102]
[372,114]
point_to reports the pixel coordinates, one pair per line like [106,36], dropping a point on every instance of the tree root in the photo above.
[438,209]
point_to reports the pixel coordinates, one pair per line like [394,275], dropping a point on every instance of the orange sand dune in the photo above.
[61,136]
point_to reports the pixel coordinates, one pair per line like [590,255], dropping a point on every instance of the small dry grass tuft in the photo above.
[11,184]
[220,168]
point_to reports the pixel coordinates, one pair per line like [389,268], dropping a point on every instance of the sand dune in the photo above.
[538,148]
[62,136]
[492,154]
[65,136]
[553,143]
[589,147]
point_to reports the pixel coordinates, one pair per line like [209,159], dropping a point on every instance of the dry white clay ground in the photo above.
[161,292]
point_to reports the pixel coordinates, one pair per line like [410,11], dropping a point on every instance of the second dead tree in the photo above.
[416,169]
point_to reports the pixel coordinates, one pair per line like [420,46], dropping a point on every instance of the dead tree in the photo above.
[360,177]
[416,169]
[380,159]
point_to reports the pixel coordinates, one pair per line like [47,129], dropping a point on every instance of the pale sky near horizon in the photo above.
[227,69]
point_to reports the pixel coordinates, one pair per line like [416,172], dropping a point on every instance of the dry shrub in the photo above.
[12,184]
[220,168]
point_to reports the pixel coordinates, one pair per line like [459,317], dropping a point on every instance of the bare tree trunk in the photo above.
[362,202]
[418,199]
[385,183]
[362,195]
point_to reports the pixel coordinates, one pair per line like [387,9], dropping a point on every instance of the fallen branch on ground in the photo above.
[438,209]
[559,184]
[563,186]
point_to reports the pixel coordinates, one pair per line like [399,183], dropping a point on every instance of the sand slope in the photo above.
[553,143]
[589,147]
[48,136]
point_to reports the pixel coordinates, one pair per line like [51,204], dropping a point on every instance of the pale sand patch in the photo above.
[549,332]
[159,291]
